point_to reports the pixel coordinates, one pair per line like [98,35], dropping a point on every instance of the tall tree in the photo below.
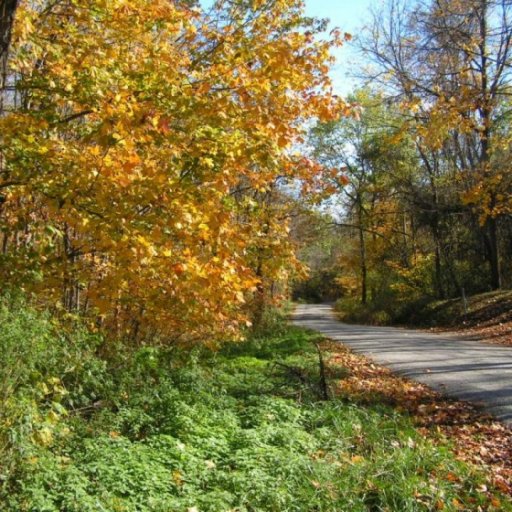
[448,62]
[373,165]
[7,11]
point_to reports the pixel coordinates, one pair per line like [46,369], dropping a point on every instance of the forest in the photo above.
[175,177]
[426,212]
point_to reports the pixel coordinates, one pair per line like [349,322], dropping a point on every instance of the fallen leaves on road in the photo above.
[477,437]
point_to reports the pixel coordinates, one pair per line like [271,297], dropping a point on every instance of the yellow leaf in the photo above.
[177,477]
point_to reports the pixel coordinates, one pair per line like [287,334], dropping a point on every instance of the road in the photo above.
[469,370]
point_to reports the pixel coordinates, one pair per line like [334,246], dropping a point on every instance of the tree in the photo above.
[141,130]
[372,164]
[7,12]
[448,63]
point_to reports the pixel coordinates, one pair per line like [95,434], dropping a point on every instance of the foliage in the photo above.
[320,286]
[370,216]
[45,371]
[476,436]
[349,309]
[143,148]
[319,246]
[221,431]
[444,64]
[152,199]
[424,211]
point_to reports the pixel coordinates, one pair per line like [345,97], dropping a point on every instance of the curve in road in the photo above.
[469,370]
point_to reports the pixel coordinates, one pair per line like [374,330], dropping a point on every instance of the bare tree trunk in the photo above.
[437,256]
[362,254]
[259,298]
[491,226]
[494,258]
[7,10]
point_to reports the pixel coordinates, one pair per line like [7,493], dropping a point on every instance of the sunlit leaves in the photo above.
[138,129]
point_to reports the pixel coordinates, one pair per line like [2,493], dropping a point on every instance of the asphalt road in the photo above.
[470,370]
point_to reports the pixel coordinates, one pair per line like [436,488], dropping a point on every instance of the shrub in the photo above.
[45,372]
[351,310]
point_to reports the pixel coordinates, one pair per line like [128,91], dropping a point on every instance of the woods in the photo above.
[428,200]
[173,175]
[140,142]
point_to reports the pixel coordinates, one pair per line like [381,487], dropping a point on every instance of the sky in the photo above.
[349,16]
[346,14]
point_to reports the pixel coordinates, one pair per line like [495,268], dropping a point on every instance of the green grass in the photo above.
[238,430]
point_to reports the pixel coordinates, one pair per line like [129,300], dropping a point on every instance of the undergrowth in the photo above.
[242,429]
[425,311]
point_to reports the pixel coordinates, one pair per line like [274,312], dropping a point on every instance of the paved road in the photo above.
[473,371]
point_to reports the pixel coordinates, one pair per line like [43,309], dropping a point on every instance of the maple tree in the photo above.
[140,140]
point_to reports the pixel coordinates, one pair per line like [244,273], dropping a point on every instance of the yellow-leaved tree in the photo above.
[136,139]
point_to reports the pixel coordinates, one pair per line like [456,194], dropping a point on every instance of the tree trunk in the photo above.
[259,297]
[438,277]
[494,257]
[364,270]
[491,225]
[7,10]
[362,255]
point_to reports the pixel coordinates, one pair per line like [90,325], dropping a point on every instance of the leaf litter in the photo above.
[475,437]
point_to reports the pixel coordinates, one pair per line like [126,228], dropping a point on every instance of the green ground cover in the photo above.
[241,429]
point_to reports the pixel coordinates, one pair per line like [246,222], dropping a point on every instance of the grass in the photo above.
[243,429]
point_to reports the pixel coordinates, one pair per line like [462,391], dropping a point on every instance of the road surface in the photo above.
[469,370]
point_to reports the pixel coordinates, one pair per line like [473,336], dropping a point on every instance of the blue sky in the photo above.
[349,16]
[346,14]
